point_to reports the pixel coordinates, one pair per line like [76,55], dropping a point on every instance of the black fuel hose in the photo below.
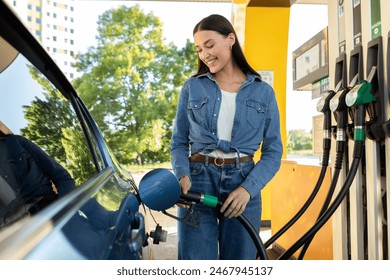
[214,202]
[337,167]
[304,207]
[324,108]
[357,154]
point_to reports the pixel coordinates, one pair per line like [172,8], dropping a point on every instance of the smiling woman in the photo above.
[222,149]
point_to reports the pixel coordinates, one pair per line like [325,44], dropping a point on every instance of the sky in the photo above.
[179,18]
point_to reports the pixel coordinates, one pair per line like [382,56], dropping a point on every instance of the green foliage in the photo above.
[298,140]
[53,113]
[131,81]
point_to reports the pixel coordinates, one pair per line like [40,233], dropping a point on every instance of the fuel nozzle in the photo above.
[358,97]
[361,92]
[323,107]
[196,197]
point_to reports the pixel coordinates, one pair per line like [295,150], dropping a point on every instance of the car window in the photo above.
[32,107]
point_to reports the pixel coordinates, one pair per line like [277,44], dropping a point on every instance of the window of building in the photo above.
[29,6]
[38,9]
[29,19]
[38,20]
[55,38]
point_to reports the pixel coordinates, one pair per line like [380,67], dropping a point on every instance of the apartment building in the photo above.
[53,23]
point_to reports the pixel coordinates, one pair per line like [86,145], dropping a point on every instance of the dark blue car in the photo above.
[99,218]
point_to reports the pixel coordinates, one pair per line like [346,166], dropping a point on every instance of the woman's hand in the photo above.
[235,203]
[185,183]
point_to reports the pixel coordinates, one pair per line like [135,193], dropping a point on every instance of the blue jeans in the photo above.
[218,237]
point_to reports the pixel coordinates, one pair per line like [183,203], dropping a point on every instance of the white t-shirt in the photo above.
[225,122]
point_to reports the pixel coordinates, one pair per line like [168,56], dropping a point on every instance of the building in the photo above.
[52,22]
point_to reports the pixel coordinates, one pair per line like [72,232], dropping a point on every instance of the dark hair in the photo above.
[221,25]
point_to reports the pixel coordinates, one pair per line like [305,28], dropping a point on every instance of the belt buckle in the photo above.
[219,164]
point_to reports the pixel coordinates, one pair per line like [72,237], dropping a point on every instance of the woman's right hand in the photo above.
[185,183]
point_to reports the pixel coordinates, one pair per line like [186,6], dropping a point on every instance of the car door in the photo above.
[99,218]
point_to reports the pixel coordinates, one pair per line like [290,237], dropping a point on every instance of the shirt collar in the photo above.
[250,78]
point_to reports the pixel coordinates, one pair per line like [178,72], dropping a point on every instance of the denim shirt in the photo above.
[256,124]
[30,171]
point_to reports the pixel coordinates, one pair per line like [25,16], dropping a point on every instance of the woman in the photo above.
[225,113]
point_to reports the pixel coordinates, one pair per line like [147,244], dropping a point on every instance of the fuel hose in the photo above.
[214,202]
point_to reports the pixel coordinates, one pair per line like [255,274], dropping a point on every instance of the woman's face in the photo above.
[214,49]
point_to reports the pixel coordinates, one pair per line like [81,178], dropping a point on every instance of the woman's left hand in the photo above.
[235,203]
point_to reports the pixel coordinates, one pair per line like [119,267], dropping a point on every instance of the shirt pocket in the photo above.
[19,165]
[197,110]
[255,113]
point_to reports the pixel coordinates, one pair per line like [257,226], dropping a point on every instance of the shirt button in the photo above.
[196,106]
[215,115]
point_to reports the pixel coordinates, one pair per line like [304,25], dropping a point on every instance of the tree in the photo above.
[52,112]
[131,83]
[298,140]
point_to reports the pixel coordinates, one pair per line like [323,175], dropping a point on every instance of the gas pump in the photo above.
[375,154]
[359,96]
[323,107]
[340,110]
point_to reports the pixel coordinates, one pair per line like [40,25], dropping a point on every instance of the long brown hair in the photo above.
[221,25]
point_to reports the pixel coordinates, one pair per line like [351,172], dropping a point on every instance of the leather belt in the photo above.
[219,161]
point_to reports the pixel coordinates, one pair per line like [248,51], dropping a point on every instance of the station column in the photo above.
[262,27]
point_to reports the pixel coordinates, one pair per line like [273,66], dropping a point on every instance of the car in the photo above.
[100,218]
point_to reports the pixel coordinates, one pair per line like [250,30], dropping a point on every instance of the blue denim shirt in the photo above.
[256,124]
[30,171]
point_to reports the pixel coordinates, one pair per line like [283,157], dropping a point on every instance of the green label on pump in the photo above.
[210,200]
[376,25]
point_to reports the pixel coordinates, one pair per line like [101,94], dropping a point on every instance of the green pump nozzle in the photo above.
[358,97]
[205,199]
[361,92]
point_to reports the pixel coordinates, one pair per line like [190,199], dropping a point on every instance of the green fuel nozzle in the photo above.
[205,199]
[361,92]
[358,97]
